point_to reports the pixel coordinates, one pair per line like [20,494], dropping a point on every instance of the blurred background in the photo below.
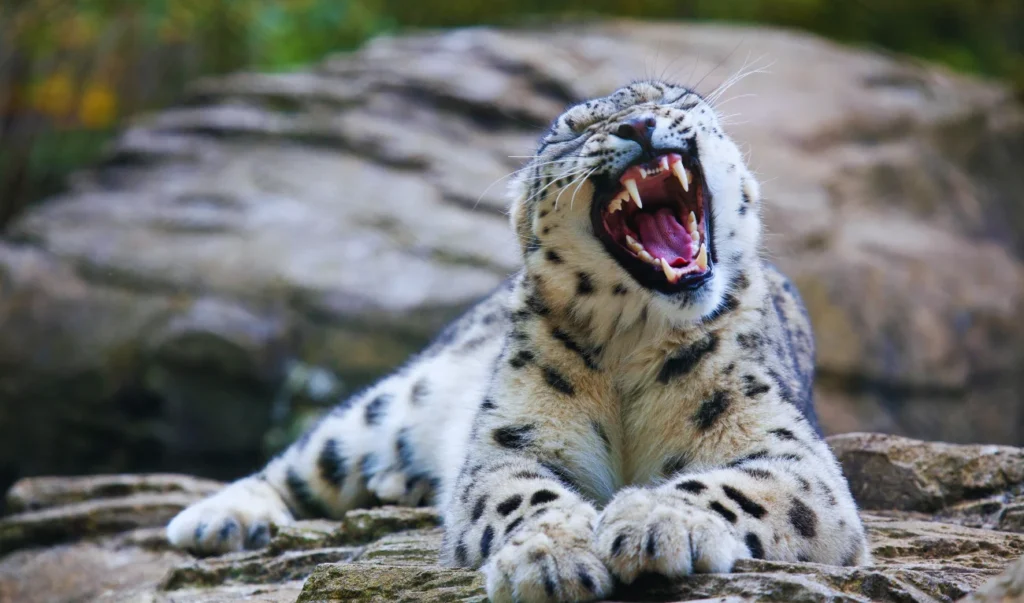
[186,276]
[72,69]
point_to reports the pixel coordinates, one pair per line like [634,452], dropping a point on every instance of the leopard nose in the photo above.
[639,130]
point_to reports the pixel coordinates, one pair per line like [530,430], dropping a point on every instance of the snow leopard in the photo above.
[637,399]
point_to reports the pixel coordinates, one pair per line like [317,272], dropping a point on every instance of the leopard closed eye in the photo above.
[636,399]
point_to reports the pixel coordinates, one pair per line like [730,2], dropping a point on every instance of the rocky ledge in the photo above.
[944,523]
[220,270]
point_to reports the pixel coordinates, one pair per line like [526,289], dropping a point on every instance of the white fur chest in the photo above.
[648,422]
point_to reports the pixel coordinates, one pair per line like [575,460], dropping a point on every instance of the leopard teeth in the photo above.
[646,173]
[634,192]
[682,174]
[616,202]
[670,274]
[639,250]
[702,257]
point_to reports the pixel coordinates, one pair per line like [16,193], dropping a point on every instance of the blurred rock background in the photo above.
[218,217]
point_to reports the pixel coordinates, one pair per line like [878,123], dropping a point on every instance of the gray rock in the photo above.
[328,221]
[69,509]
[45,492]
[391,554]
[890,472]
[1006,588]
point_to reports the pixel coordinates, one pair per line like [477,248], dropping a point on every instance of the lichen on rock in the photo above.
[927,548]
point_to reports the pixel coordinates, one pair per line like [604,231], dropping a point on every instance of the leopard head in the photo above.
[640,192]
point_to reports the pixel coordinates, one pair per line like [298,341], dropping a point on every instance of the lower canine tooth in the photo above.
[702,257]
[669,273]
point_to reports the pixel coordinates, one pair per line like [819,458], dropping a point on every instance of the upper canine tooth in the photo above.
[634,193]
[682,174]
[702,257]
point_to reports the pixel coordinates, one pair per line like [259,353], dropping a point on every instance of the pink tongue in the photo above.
[664,237]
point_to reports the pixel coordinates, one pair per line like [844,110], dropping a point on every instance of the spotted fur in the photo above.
[577,427]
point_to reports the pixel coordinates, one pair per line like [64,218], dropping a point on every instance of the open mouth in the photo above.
[655,222]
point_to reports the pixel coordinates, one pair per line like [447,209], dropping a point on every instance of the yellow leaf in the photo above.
[98,107]
[54,96]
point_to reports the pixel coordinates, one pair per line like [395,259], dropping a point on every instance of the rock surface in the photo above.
[927,545]
[280,235]
[1006,588]
[889,472]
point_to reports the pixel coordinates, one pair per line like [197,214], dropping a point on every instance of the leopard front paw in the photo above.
[549,560]
[644,530]
[236,518]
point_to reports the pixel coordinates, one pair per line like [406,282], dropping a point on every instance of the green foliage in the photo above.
[76,67]
[984,36]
